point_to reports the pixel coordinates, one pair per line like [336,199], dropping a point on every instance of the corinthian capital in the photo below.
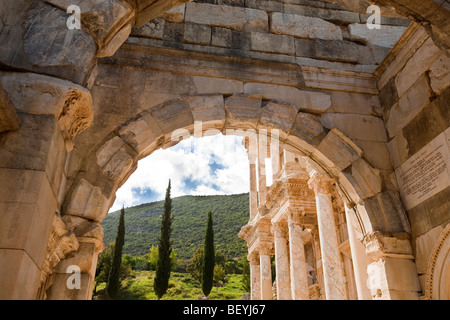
[320,184]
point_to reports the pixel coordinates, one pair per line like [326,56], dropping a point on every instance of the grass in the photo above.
[181,287]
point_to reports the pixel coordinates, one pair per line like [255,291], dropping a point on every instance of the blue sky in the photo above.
[206,166]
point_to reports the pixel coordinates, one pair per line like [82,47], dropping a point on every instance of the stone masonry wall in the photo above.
[298,31]
[415,98]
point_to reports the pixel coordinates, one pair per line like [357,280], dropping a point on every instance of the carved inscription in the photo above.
[424,174]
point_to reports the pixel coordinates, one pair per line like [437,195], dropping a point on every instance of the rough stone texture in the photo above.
[8,116]
[227,16]
[417,65]
[440,74]
[304,27]
[387,36]
[310,101]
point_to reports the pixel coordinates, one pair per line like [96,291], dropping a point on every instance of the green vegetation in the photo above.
[163,264]
[208,258]
[143,223]
[184,262]
[112,286]
[181,287]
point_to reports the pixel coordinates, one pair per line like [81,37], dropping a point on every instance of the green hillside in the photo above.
[142,225]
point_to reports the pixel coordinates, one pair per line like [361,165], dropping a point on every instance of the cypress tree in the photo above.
[208,258]
[112,286]
[164,249]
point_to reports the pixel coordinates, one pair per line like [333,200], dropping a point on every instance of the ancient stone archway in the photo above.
[74,126]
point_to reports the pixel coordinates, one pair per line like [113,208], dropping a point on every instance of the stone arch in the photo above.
[336,155]
[112,161]
[438,272]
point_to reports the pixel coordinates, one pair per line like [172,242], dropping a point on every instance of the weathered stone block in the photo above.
[355,126]
[304,27]
[227,17]
[338,16]
[113,158]
[420,62]
[440,74]
[306,133]
[387,36]
[210,110]
[153,29]
[277,116]
[49,44]
[310,101]
[266,42]
[343,51]
[221,37]
[356,103]
[365,179]
[339,149]
[208,85]
[242,111]
[409,105]
[197,34]
[87,201]
[172,116]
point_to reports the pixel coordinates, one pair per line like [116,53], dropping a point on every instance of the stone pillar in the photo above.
[392,274]
[298,267]
[255,276]
[253,191]
[360,259]
[262,154]
[84,261]
[266,273]
[32,174]
[282,262]
[331,256]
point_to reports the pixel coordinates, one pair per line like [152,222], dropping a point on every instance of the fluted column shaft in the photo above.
[266,274]
[331,260]
[282,262]
[255,277]
[298,268]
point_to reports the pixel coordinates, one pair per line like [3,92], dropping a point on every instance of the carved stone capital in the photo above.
[320,184]
[378,246]
[265,249]
[279,230]
[253,258]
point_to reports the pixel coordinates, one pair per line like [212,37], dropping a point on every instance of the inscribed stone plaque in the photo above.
[426,173]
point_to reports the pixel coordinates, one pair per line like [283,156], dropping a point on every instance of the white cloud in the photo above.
[206,166]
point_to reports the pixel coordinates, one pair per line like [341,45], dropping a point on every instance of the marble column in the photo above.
[282,262]
[331,256]
[262,154]
[298,267]
[266,273]
[253,192]
[255,276]
[360,259]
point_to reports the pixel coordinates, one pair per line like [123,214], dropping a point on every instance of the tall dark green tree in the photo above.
[245,280]
[164,264]
[112,286]
[208,258]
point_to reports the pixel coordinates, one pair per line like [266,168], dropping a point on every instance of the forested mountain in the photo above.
[142,225]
